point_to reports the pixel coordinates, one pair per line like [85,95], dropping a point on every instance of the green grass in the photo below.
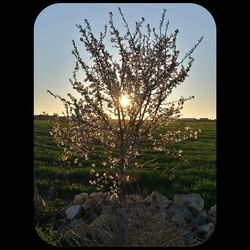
[196,175]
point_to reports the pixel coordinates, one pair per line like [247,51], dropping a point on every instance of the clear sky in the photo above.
[55,28]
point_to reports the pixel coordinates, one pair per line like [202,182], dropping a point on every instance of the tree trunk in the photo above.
[123,204]
[121,187]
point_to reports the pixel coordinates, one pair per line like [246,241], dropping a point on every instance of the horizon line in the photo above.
[197,118]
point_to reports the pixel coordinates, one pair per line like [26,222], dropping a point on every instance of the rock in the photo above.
[73,212]
[158,197]
[211,219]
[180,214]
[159,202]
[77,223]
[98,206]
[99,195]
[178,220]
[193,201]
[205,231]
[201,219]
[81,198]
[61,223]
[89,211]
[90,203]
[186,213]
[148,199]
[212,211]
[87,205]
[162,206]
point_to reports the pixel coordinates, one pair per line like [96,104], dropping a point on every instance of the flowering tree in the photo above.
[123,102]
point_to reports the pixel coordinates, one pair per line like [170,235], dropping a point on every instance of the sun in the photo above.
[124,101]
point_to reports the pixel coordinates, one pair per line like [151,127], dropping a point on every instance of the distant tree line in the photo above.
[47,117]
[196,119]
[41,117]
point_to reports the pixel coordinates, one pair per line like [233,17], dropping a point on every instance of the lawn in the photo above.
[59,182]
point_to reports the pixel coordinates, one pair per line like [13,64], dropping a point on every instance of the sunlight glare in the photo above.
[124,100]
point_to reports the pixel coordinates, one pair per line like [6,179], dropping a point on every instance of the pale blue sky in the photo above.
[55,28]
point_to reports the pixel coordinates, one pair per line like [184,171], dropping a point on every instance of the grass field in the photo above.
[197,175]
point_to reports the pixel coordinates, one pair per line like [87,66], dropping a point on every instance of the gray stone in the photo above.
[178,219]
[148,200]
[193,201]
[211,219]
[81,198]
[99,195]
[158,202]
[212,211]
[98,206]
[163,206]
[61,223]
[185,213]
[73,212]
[179,213]
[201,219]
[91,208]
[158,197]
[90,203]
[205,231]
[86,205]
[77,223]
